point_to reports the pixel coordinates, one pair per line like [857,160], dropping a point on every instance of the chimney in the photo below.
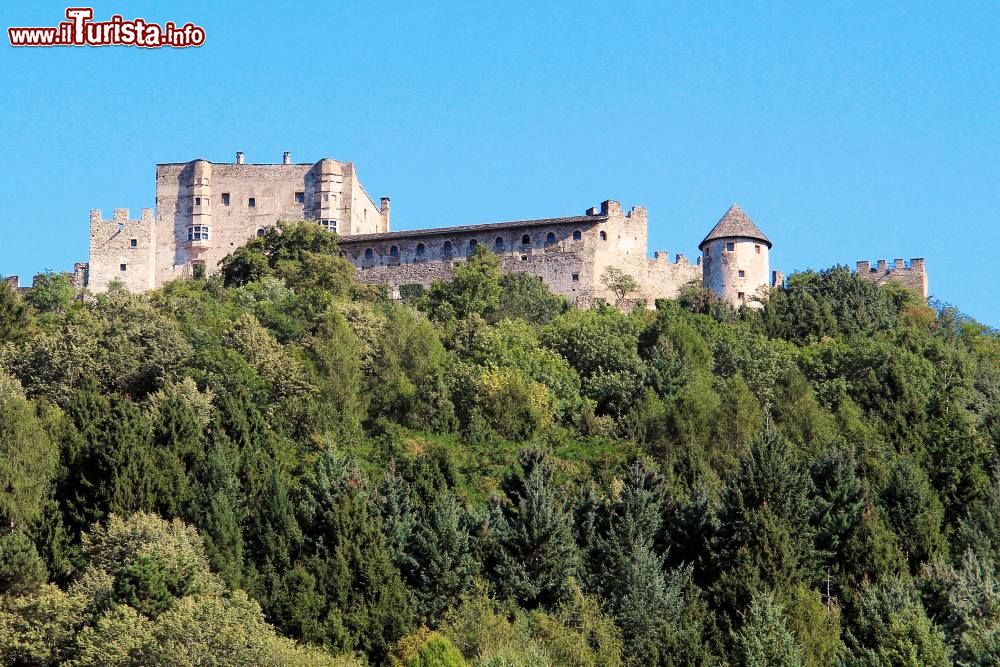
[384,210]
[239,157]
[286,158]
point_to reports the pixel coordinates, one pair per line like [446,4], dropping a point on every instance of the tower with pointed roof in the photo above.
[735,259]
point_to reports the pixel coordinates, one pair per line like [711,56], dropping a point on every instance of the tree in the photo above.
[526,297]
[51,292]
[28,458]
[442,567]
[620,283]
[764,640]
[537,555]
[15,316]
[21,569]
[474,289]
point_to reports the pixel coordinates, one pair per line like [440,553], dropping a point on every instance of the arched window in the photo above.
[447,247]
[498,244]
[577,235]
[260,232]
[550,238]
[420,250]
[394,252]
[369,253]
[472,246]
[604,236]
[525,240]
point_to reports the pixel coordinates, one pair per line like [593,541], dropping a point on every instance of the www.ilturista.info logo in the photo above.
[80,30]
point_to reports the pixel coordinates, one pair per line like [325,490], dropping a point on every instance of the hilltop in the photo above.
[308,471]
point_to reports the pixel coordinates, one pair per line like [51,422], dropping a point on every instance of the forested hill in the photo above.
[279,466]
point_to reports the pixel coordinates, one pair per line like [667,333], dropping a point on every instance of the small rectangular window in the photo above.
[134,243]
[730,247]
[326,197]
[252,202]
[122,267]
[576,277]
[740,296]
[757,249]
[743,274]
[197,201]
[300,197]
[225,199]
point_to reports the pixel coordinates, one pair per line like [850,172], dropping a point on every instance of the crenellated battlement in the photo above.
[120,217]
[912,274]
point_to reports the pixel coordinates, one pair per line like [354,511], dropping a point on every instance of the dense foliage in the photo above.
[278,465]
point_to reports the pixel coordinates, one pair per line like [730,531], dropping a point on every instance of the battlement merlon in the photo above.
[120,217]
[912,276]
[898,264]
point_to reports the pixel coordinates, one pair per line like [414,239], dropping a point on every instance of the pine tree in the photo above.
[537,554]
[442,568]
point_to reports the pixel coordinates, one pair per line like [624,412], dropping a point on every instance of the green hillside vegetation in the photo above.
[280,466]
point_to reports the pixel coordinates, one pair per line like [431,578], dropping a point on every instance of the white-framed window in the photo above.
[198,233]
[329,225]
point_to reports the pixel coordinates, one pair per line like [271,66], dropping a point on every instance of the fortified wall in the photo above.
[570,254]
[912,275]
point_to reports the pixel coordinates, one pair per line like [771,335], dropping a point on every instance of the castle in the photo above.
[206,210]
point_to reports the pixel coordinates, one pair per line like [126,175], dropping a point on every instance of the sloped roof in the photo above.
[735,223]
[492,226]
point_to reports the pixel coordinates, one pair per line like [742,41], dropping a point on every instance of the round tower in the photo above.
[735,259]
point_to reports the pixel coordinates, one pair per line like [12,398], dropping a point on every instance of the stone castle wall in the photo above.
[569,254]
[913,276]
[121,249]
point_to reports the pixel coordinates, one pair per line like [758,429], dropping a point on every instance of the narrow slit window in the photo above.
[252,202]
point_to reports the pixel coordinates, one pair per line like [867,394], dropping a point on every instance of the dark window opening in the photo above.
[577,235]
[420,250]
[740,295]
[252,202]
[525,240]
[300,198]
[730,247]
[498,244]
[260,232]
[198,270]
[604,236]
[369,253]
[197,201]
[550,238]
[472,246]
[757,249]
[122,267]
[447,247]
[394,251]
[576,277]
[743,274]
[225,199]
[134,243]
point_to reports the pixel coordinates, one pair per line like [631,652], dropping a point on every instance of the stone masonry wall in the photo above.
[569,254]
[122,249]
[913,276]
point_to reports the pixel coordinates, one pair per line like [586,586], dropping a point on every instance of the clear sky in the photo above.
[846,131]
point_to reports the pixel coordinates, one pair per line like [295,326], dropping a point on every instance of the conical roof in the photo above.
[735,223]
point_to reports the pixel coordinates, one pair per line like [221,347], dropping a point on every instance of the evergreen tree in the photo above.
[536,552]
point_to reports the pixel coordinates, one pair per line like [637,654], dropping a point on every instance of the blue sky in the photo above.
[846,131]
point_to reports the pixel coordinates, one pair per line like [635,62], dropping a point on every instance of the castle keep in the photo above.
[206,210]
